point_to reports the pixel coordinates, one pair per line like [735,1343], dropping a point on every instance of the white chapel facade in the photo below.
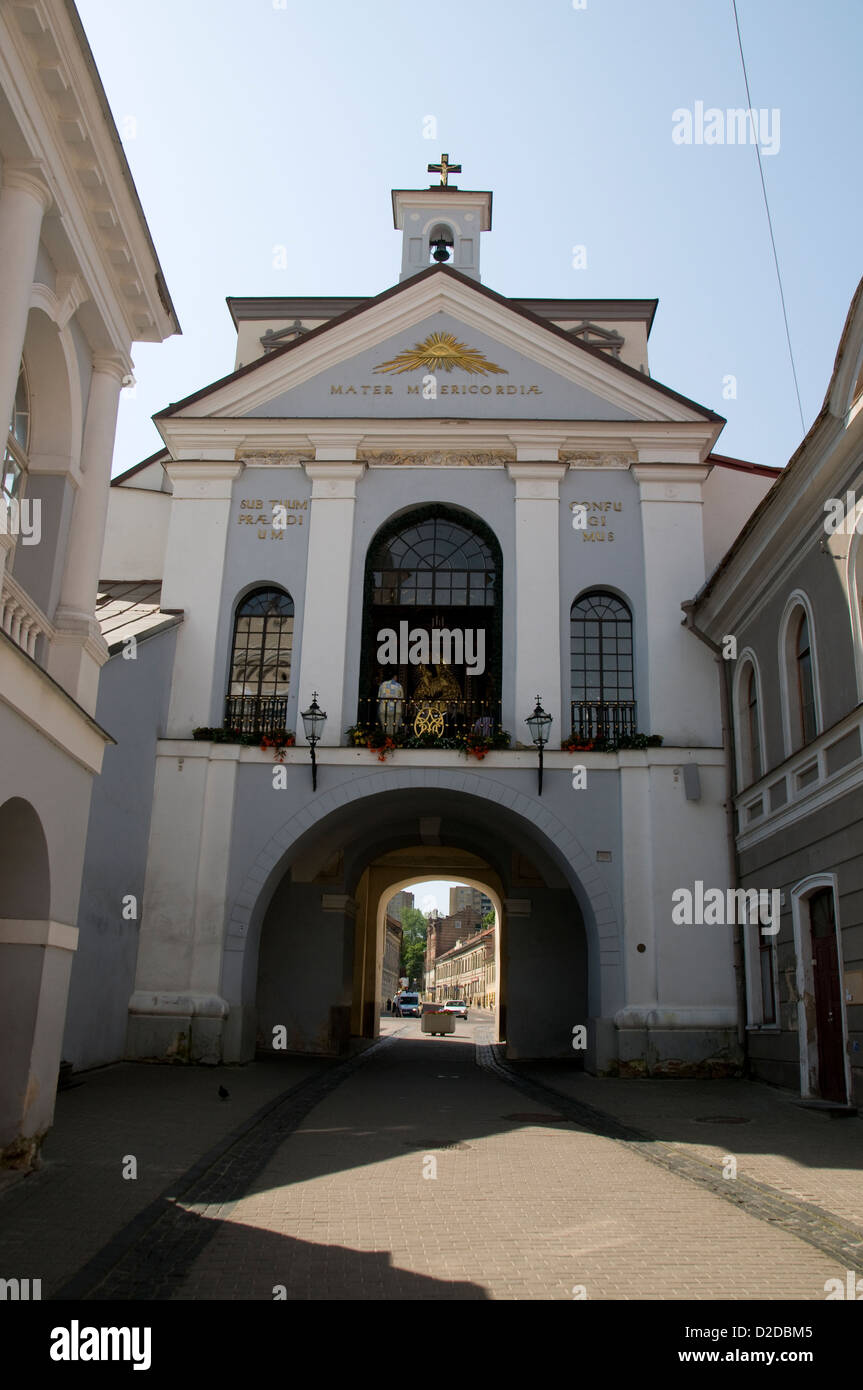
[424,510]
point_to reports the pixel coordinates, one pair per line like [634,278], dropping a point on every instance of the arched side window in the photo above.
[17,440]
[601,667]
[798,669]
[260,662]
[751,763]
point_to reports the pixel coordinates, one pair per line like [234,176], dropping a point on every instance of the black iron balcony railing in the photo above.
[604,718]
[256,714]
[435,716]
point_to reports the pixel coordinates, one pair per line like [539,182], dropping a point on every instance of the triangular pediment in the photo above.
[439,345]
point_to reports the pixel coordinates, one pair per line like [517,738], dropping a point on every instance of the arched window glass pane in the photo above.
[435,562]
[601,657]
[263,642]
[805,684]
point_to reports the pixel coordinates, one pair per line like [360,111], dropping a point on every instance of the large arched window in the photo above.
[431,622]
[17,440]
[601,667]
[260,662]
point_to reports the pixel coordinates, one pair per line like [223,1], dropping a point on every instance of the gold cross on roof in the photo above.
[444,169]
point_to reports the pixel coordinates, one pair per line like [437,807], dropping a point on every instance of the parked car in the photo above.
[432,1008]
[457,1007]
[408,1006]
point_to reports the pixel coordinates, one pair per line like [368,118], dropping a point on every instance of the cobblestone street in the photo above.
[411,1171]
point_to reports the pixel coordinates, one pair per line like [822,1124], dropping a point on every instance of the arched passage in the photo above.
[487,883]
[35,958]
[308,873]
[382,878]
[25,880]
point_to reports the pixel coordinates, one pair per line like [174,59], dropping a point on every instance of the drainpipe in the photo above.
[733,863]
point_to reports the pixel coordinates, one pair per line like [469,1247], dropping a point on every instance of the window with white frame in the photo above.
[799,677]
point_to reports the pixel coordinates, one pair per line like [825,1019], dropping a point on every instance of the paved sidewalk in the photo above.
[53,1220]
[800,1152]
[411,1172]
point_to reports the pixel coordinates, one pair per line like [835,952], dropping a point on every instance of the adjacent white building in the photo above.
[79,283]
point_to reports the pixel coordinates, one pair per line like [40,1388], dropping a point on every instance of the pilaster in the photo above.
[537,586]
[682,693]
[192,582]
[328,580]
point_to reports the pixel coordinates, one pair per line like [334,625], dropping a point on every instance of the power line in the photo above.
[769,221]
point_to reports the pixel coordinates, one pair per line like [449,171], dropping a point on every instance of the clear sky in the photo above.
[432,894]
[253,124]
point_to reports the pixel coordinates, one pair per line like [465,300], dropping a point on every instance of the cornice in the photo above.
[334,470]
[668,473]
[53,89]
[580,444]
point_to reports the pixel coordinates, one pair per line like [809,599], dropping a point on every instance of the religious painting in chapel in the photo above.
[431,625]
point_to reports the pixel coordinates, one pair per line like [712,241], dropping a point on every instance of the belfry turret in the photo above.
[441,224]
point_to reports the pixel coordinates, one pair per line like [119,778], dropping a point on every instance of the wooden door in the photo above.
[828,998]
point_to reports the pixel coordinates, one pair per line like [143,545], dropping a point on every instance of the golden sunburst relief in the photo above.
[442,352]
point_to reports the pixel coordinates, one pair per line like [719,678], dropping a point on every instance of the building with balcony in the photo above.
[791,591]
[79,284]
[422,511]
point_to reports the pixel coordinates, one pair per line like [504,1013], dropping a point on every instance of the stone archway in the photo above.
[408,794]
